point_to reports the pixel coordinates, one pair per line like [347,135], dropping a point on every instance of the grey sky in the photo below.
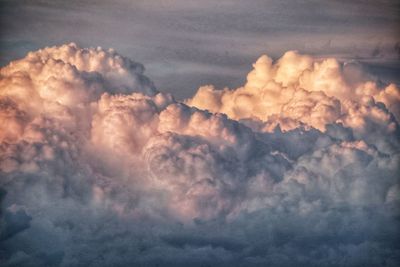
[184,44]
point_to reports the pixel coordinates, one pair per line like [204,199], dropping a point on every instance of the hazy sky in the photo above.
[184,44]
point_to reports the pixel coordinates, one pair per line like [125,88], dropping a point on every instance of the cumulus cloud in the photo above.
[98,168]
[304,91]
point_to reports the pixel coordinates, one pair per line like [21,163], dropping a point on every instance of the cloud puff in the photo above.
[299,90]
[98,168]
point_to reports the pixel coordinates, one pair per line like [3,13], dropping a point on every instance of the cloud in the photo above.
[98,168]
[298,90]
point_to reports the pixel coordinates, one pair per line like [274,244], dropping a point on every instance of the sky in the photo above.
[185,44]
[199,133]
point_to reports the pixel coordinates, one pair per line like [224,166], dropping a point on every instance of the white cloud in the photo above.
[303,90]
[98,168]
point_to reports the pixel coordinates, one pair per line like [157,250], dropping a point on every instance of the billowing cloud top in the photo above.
[299,90]
[98,168]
